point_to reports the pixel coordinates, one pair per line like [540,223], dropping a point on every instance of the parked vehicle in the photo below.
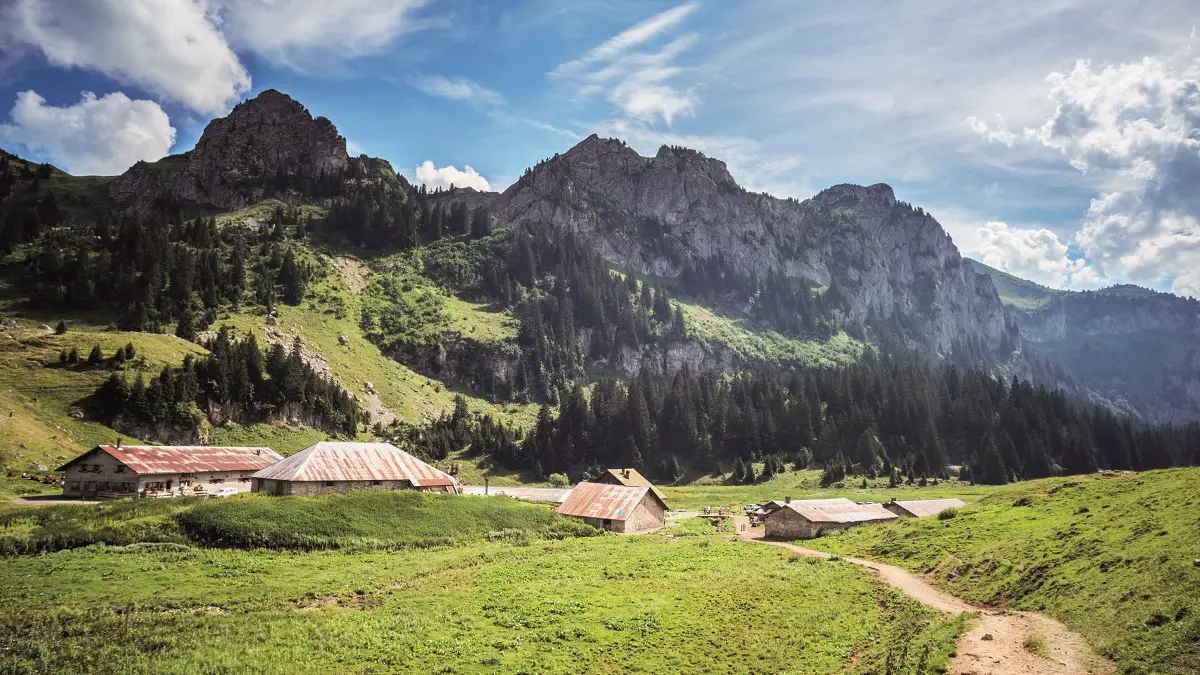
[225,492]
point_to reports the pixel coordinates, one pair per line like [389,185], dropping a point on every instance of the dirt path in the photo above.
[996,645]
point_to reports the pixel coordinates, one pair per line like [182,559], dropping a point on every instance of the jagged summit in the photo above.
[267,145]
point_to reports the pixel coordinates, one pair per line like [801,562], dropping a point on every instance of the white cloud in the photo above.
[1138,123]
[172,48]
[102,136]
[1034,254]
[433,177]
[300,33]
[458,89]
[1000,133]
[639,81]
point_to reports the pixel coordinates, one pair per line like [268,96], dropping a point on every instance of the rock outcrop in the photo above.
[651,215]
[267,146]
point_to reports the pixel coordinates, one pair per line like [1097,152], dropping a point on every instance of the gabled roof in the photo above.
[166,459]
[922,508]
[838,511]
[334,461]
[633,478]
[601,500]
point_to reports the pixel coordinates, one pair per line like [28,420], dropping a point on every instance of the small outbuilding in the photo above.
[922,508]
[616,508]
[806,519]
[628,478]
[334,467]
[113,471]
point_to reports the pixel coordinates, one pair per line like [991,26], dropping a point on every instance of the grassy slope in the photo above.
[1112,557]
[807,485]
[753,343]
[1013,290]
[640,604]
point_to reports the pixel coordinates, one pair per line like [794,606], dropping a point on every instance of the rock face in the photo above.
[1124,342]
[651,215]
[263,148]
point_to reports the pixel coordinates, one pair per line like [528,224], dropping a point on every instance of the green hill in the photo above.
[1015,291]
[1112,557]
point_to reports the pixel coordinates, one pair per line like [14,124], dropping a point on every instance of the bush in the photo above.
[61,328]
[559,480]
[947,514]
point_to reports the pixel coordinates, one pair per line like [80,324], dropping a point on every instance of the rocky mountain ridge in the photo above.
[265,147]
[891,262]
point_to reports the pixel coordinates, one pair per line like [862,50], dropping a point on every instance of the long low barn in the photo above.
[617,508]
[162,470]
[806,519]
[332,467]
[922,508]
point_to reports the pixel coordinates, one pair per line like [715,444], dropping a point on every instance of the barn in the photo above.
[628,478]
[333,467]
[616,508]
[806,519]
[118,470]
[922,508]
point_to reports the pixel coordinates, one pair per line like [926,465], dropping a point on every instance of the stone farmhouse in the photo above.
[108,471]
[616,508]
[922,508]
[809,518]
[335,467]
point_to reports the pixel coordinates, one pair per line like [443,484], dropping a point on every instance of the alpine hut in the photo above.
[329,467]
[118,470]
[809,518]
[617,508]
[628,478]
[922,508]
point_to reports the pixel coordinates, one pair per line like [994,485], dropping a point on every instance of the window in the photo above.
[214,481]
[74,485]
[121,468]
[330,483]
[244,479]
[376,482]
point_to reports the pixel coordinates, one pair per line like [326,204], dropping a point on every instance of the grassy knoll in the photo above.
[619,604]
[361,520]
[754,343]
[697,527]
[1112,557]
[806,484]
[1016,291]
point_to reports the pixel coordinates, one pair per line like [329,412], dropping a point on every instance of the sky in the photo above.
[1058,140]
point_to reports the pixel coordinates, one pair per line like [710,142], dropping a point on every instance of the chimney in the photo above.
[787,500]
[258,452]
[627,473]
[118,442]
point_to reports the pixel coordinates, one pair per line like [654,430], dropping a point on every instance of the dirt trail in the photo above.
[1005,652]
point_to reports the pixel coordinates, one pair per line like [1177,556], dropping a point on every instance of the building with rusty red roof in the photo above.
[329,467]
[617,508]
[162,470]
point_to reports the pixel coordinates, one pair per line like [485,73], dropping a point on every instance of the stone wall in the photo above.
[649,514]
[311,488]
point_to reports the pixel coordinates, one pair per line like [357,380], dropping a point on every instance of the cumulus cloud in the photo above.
[458,89]
[636,78]
[304,32]
[1034,254]
[1138,125]
[101,136]
[998,133]
[433,177]
[172,48]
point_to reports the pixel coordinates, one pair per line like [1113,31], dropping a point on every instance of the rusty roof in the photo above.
[923,508]
[601,500]
[340,461]
[838,511]
[633,478]
[167,459]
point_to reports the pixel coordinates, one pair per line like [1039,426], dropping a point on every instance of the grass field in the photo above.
[754,343]
[619,604]
[1114,558]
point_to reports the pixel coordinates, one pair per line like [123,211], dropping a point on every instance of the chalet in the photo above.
[162,471]
[617,508]
[922,508]
[809,518]
[628,478]
[329,467]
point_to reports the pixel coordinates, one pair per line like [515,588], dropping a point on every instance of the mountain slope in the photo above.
[889,261]
[1125,342]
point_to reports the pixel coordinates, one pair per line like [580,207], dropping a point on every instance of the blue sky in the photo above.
[1057,139]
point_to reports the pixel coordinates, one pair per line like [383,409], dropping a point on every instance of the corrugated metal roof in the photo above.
[167,459]
[334,461]
[839,511]
[633,478]
[601,500]
[923,508]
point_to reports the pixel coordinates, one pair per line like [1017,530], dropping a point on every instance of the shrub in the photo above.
[61,328]
[947,514]
[558,480]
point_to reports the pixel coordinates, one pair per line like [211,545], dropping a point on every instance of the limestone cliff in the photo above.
[267,146]
[892,263]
